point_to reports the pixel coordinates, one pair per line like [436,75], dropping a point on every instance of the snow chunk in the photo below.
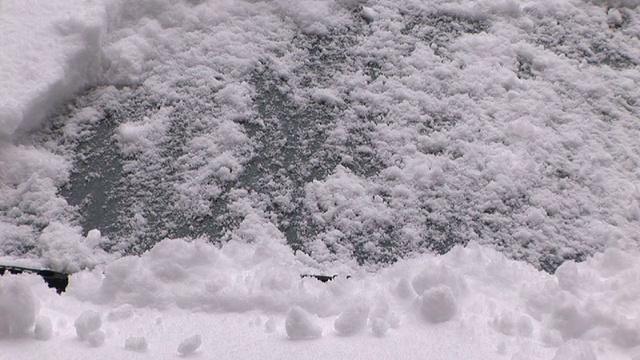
[300,326]
[122,312]
[18,306]
[438,304]
[189,345]
[352,320]
[44,328]
[136,343]
[379,327]
[434,275]
[87,323]
[96,338]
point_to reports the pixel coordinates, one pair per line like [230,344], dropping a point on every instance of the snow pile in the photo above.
[360,135]
[50,52]
[472,294]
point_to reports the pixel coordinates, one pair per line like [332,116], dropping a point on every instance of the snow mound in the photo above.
[59,54]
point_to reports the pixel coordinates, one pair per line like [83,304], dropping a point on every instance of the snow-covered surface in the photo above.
[237,145]
[248,301]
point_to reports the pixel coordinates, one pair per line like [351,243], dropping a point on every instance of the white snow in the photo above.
[300,325]
[189,345]
[508,126]
[136,343]
[87,324]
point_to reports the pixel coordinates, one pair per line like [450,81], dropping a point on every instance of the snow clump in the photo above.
[189,345]
[300,326]
[136,343]
[87,324]
[438,304]
[18,307]
[352,320]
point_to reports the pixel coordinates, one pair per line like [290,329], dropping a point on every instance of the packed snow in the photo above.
[465,172]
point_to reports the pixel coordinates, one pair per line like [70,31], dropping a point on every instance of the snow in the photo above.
[189,345]
[467,170]
[135,343]
[88,323]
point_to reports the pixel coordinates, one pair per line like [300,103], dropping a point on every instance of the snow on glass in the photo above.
[189,160]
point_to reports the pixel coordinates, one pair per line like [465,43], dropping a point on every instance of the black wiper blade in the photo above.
[54,279]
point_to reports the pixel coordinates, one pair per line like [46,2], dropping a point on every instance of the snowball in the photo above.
[189,345]
[368,14]
[136,343]
[352,320]
[122,312]
[93,238]
[575,350]
[18,306]
[44,328]
[438,304]
[300,326]
[96,338]
[379,327]
[87,323]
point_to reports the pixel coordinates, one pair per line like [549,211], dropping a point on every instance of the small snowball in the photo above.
[136,343]
[96,338]
[93,238]
[368,14]
[87,323]
[438,304]
[44,328]
[122,312]
[379,327]
[575,350]
[614,17]
[189,345]
[352,320]
[300,326]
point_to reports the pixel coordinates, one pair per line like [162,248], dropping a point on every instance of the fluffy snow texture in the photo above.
[363,133]
[508,308]
[354,130]
[18,307]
